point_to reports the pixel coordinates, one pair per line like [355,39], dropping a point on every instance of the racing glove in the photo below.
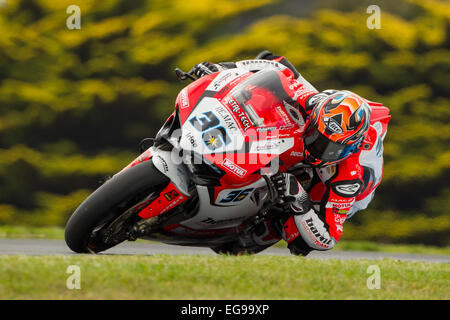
[205,68]
[292,196]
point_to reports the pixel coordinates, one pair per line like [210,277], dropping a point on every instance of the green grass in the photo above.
[26,232]
[392,248]
[218,277]
[357,245]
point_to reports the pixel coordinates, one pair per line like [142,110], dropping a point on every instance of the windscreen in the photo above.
[264,99]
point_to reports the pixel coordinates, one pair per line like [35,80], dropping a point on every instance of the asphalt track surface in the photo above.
[34,247]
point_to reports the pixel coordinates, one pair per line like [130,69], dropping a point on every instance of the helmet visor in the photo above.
[323,148]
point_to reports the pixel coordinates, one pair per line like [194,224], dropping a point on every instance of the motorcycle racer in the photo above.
[343,159]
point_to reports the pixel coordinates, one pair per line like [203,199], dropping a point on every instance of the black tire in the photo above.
[109,201]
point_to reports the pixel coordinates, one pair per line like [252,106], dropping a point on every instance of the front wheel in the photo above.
[113,201]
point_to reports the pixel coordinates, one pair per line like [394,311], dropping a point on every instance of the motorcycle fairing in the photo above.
[177,234]
[230,208]
[169,198]
[241,149]
[239,141]
[208,86]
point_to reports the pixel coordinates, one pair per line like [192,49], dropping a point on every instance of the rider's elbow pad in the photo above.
[314,231]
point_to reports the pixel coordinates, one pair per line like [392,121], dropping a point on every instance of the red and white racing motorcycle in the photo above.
[204,181]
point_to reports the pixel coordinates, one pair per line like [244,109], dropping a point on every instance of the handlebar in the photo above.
[181,75]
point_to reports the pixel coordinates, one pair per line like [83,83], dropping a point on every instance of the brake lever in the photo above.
[273,193]
[181,75]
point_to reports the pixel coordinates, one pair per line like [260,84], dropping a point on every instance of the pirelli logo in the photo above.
[234,168]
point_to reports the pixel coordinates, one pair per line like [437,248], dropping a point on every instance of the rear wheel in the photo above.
[106,217]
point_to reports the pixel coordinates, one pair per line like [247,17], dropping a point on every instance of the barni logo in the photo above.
[234,168]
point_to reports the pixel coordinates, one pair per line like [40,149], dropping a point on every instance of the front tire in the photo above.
[108,202]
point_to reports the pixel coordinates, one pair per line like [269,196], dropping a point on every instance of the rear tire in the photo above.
[108,202]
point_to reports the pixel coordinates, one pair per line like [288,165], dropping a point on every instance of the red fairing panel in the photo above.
[169,198]
[380,113]
[188,97]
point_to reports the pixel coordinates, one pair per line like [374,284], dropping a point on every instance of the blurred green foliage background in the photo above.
[75,103]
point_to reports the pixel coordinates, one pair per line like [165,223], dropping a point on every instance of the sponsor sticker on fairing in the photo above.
[227,118]
[268,146]
[284,116]
[233,168]
[237,110]
[272,146]
[296,154]
[184,99]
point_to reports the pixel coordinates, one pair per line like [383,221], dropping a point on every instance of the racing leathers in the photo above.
[336,192]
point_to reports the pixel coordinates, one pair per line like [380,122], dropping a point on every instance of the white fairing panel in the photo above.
[176,172]
[225,77]
[224,134]
[223,129]
[231,207]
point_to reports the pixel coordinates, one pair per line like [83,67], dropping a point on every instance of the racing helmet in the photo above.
[336,128]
